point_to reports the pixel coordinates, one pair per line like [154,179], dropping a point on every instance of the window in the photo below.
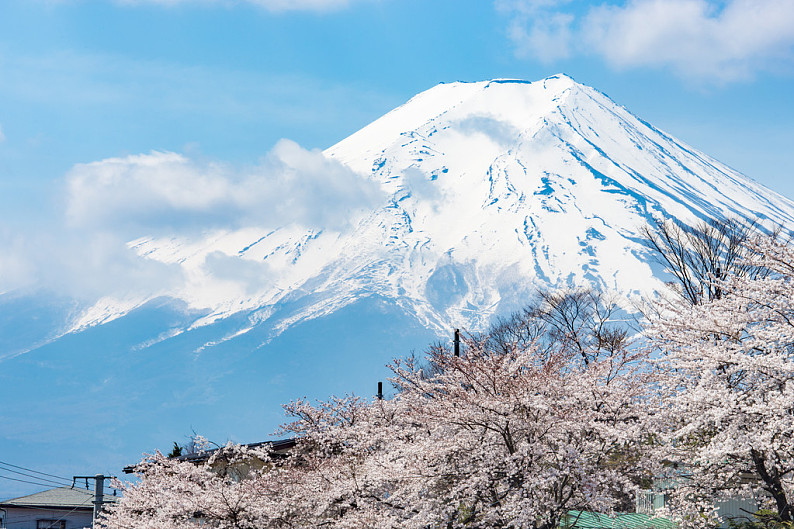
[50,524]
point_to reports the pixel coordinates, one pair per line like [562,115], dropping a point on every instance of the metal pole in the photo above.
[457,342]
[380,391]
[99,493]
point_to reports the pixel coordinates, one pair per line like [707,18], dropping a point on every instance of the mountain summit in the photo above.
[483,192]
[493,189]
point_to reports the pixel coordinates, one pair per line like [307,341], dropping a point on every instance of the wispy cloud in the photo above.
[270,5]
[539,29]
[169,191]
[15,268]
[81,264]
[704,40]
[2,136]
[80,248]
[85,252]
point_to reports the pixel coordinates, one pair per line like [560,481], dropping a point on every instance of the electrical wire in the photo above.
[26,481]
[35,477]
[42,482]
[66,481]
[61,517]
[35,471]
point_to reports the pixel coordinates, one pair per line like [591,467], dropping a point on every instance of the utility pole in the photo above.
[457,342]
[99,492]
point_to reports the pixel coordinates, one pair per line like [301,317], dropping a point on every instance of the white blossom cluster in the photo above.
[561,414]
[728,387]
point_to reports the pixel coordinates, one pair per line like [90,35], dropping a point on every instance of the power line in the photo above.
[70,508]
[38,508]
[32,476]
[26,481]
[35,471]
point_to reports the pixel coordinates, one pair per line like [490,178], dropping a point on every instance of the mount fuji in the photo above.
[493,189]
[490,190]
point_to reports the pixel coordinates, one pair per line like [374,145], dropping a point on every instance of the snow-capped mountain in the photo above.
[486,191]
[492,189]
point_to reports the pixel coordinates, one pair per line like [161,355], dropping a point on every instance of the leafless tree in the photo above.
[585,321]
[700,257]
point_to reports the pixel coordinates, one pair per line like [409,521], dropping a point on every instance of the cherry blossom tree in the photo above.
[223,491]
[555,410]
[728,366]
[695,256]
[582,321]
[516,432]
[519,438]
[510,434]
[350,461]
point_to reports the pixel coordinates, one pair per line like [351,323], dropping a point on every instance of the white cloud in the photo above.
[296,5]
[247,274]
[168,191]
[270,5]
[499,131]
[83,265]
[528,7]
[539,28]
[84,252]
[15,271]
[704,40]
[547,38]
[695,37]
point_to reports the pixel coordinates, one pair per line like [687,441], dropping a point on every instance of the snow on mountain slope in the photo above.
[495,188]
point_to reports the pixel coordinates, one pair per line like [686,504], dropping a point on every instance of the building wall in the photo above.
[26,518]
[737,508]
[647,501]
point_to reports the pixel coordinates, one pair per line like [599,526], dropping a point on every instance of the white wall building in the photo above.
[59,508]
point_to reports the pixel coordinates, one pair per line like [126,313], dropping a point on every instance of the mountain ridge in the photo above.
[524,160]
[485,198]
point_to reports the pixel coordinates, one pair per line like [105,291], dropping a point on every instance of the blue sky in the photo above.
[218,84]
[82,81]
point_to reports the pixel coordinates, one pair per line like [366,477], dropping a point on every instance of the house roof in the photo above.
[592,520]
[278,448]
[67,497]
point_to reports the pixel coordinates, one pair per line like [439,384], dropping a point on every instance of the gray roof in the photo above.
[278,449]
[58,497]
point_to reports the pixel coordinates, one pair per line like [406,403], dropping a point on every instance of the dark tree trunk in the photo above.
[773,486]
